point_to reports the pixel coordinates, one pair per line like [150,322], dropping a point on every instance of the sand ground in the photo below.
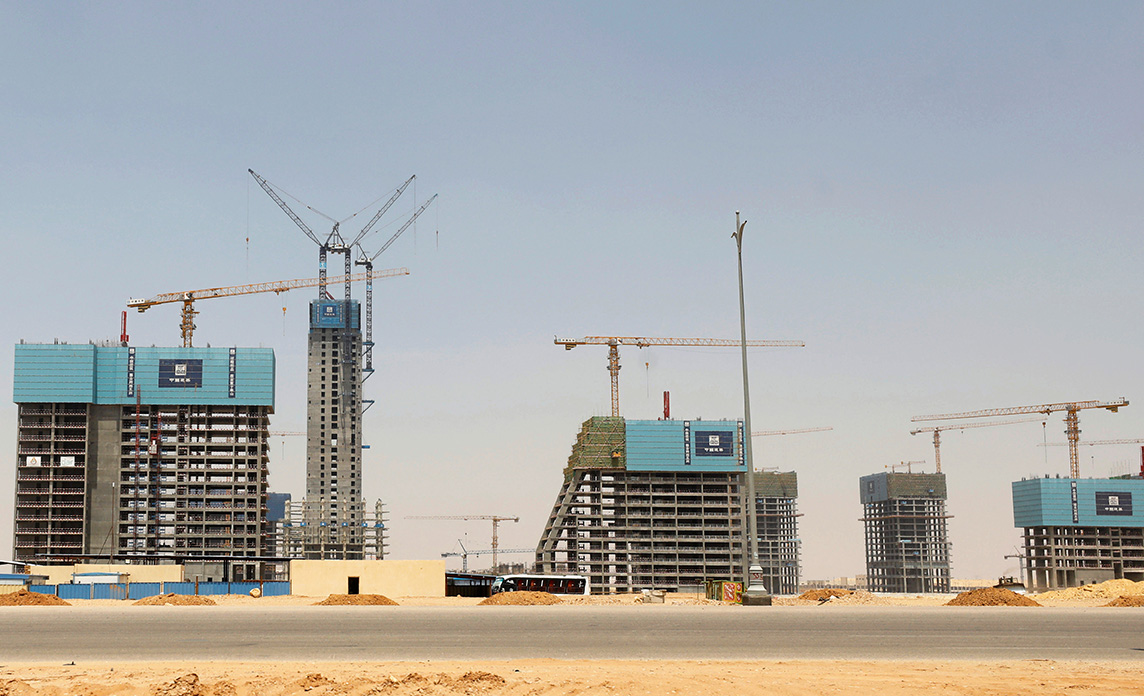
[540,677]
[581,677]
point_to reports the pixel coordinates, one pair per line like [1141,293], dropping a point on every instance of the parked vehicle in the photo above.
[552,584]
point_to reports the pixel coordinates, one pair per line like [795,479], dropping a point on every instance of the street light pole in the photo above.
[756,592]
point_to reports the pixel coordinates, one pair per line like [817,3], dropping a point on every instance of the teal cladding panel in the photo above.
[100,375]
[670,445]
[1099,503]
[54,374]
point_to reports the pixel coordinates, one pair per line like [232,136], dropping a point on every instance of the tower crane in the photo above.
[496,520]
[1072,424]
[937,430]
[614,343]
[367,261]
[188,297]
[465,553]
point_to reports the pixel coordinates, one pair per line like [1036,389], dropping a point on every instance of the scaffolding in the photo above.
[776,512]
[312,531]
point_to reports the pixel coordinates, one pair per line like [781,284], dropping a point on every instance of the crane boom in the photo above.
[1016,410]
[614,343]
[765,433]
[1072,421]
[285,208]
[410,221]
[392,199]
[1123,441]
[188,297]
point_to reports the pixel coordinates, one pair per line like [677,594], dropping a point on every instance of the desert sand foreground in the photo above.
[538,677]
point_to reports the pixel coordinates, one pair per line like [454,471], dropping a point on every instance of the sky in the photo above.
[943,201]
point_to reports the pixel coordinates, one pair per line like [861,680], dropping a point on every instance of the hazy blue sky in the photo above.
[944,202]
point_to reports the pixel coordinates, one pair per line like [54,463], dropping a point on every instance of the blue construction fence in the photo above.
[139,590]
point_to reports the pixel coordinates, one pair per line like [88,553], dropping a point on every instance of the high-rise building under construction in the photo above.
[907,542]
[155,454]
[334,512]
[659,505]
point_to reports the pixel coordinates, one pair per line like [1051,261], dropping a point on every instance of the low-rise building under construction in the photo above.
[659,505]
[1080,531]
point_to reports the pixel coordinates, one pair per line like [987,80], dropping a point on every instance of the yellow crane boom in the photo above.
[1072,421]
[188,297]
[614,343]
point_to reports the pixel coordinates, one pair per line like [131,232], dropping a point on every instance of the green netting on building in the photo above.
[915,485]
[599,444]
[776,484]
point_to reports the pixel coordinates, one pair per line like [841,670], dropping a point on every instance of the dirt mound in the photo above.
[186,685]
[24,598]
[991,597]
[827,593]
[467,683]
[361,600]
[1109,589]
[521,599]
[1128,601]
[176,600]
[594,600]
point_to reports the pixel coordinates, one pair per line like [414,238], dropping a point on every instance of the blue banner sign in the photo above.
[230,379]
[1075,504]
[714,443]
[130,372]
[742,443]
[1114,503]
[180,374]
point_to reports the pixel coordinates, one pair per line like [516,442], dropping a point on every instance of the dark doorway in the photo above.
[353,586]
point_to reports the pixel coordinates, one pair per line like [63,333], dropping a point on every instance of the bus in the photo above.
[552,584]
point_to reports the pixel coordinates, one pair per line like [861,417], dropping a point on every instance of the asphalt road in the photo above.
[351,633]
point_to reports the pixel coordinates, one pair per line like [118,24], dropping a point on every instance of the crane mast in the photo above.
[614,343]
